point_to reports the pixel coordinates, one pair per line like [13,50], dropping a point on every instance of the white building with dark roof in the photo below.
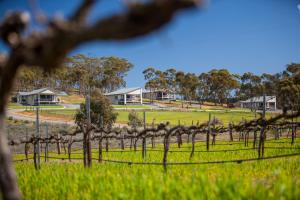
[159,94]
[126,96]
[41,96]
[258,102]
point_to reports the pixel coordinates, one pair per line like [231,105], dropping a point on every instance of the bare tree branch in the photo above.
[82,12]
[48,50]
[8,180]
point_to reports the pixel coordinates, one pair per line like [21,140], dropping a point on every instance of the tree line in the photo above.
[77,73]
[223,87]
[220,86]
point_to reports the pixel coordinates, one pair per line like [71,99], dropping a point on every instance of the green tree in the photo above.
[220,84]
[187,85]
[170,75]
[102,113]
[151,82]
[250,86]
[289,88]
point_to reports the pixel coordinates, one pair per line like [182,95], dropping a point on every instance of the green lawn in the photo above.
[131,106]
[163,116]
[188,117]
[266,179]
[19,106]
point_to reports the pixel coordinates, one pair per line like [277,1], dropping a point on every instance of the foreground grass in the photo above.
[268,179]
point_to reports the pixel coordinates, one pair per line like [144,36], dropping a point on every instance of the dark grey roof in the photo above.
[38,91]
[123,91]
[260,99]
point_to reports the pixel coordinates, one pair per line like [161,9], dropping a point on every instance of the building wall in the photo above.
[113,99]
[132,97]
[259,105]
[158,96]
[30,100]
[149,95]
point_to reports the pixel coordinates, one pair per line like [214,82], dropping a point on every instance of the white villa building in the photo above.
[159,95]
[43,96]
[257,103]
[126,96]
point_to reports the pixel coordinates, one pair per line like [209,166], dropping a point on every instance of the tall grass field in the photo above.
[263,179]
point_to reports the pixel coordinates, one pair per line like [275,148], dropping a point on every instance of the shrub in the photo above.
[134,120]
[102,113]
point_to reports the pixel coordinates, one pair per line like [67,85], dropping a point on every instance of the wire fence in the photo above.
[238,161]
[253,133]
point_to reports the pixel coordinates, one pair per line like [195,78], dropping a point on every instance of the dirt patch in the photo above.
[42,117]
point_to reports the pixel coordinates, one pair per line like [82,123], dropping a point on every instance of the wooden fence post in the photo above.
[193,145]
[208,132]
[64,147]
[135,144]
[262,131]
[84,149]
[122,142]
[143,147]
[70,142]
[293,133]
[58,143]
[46,143]
[106,144]
[144,142]
[254,138]
[166,149]
[230,132]
[26,144]
[26,150]
[153,136]
[37,139]
[100,150]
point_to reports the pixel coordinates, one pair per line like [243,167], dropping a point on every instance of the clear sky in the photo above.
[239,35]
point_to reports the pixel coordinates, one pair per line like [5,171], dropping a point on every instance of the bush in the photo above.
[102,113]
[134,120]
[10,118]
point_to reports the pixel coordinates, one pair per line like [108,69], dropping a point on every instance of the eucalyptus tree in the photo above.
[187,85]
[203,87]
[251,85]
[105,73]
[170,75]
[289,88]
[151,82]
[220,84]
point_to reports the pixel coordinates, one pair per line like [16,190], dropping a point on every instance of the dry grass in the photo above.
[72,99]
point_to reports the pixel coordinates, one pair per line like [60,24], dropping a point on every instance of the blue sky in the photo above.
[239,35]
